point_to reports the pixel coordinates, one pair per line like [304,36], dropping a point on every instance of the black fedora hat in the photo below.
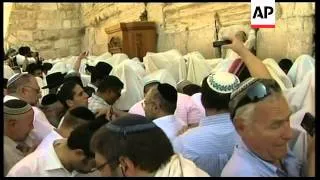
[46,66]
[54,80]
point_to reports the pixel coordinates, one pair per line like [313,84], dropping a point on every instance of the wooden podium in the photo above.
[134,39]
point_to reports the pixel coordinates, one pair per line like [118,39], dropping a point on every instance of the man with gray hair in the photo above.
[24,86]
[260,114]
[18,122]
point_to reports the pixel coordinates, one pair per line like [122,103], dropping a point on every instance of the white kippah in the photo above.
[223,82]
[15,77]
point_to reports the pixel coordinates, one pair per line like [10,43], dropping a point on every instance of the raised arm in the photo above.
[77,64]
[254,64]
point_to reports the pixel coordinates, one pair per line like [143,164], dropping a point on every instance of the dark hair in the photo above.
[74,76]
[66,92]
[139,147]
[166,105]
[89,90]
[77,116]
[285,64]
[111,82]
[31,68]
[80,137]
[191,89]
[212,99]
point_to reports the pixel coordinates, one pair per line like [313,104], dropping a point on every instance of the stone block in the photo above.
[66,6]
[26,6]
[68,33]
[63,52]
[38,36]
[45,15]
[48,54]
[75,50]
[18,14]
[48,6]
[44,24]
[66,24]
[25,35]
[61,43]
[201,40]
[51,34]
[74,42]
[43,45]
[75,23]
[28,24]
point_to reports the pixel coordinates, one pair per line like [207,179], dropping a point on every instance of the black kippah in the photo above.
[49,99]
[16,107]
[83,113]
[168,92]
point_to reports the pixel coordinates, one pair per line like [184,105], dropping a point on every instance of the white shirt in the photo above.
[42,163]
[49,139]
[170,126]
[93,86]
[61,121]
[42,126]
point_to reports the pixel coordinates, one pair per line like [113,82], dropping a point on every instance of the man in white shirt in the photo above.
[98,74]
[160,104]
[63,158]
[109,91]
[18,122]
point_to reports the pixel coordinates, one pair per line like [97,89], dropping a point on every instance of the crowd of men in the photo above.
[242,121]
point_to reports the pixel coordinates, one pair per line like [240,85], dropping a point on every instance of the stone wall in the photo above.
[53,29]
[190,26]
[62,29]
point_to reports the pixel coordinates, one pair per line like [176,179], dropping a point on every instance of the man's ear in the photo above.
[127,166]
[69,103]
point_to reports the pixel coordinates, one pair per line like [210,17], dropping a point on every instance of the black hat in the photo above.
[54,80]
[46,66]
[32,67]
[102,70]
[168,92]
[74,76]
[89,68]
[49,99]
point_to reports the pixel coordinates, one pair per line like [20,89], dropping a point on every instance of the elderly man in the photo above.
[69,157]
[18,122]
[210,145]
[160,104]
[25,87]
[133,146]
[260,114]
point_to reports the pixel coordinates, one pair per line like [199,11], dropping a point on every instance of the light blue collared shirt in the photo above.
[245,163]
[210,145]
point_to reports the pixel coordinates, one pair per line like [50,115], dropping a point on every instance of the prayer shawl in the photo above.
[168,60]
[277,73]
[302,96]
[132,91]
[180,167]
[198,69]
[59,67]
[300,67]
[20,59]
[43,91]
[162,76]
[7,71]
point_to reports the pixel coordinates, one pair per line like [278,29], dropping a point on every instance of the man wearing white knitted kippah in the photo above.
[18,122]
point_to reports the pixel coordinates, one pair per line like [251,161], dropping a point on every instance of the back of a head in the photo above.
[133,136]
[111,82]
[285,64]
[18,81]
[49,99]
[80,137]
[31,68]
[167,96]
[216,89]
[77,116]
[191,89]
[75,77]
[66,92]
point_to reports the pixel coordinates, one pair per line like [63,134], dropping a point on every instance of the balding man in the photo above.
[18,122]
[24,86]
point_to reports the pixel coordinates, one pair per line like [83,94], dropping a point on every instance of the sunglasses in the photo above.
[255,92]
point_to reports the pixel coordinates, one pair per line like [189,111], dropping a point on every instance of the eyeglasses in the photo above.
[253,93]
[35,89]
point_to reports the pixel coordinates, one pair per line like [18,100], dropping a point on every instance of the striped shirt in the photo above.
[253,166]
[210,145]
[95,102]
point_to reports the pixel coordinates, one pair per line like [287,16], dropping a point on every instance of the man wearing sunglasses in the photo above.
[69,157]
[260,114]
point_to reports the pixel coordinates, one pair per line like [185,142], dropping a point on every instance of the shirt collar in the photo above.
[102,101]
[274,169]
[8,141]
[52,161]
[161,119]
[215,119]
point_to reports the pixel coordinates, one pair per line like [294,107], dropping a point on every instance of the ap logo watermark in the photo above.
[263,14]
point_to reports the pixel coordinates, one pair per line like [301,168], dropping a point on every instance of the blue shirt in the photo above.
[210,145]
[170,126]
[245,163]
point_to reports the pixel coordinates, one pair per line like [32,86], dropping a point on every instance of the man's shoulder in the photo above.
[239,165]
[27,165]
